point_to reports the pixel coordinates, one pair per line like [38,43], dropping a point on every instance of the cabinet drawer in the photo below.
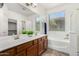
[35,41]
[24,46]
[9,52]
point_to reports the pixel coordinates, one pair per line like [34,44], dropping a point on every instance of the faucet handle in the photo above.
[67,36]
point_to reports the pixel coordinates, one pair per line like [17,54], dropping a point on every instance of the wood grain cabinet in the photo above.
[22,53]
[8,52]
[40,46]
[45,43]
[32,51]
[32,48]
[22,49]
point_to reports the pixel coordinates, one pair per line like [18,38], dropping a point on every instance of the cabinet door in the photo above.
[24,46]
[32,51]
[22,53]
[40,47]
[45,44]
[9,52]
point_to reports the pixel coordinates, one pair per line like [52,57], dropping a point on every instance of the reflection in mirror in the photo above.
[12,27]
[17,12]
[23,25]
[37,23]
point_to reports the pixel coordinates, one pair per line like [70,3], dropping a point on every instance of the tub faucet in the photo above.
[67,36]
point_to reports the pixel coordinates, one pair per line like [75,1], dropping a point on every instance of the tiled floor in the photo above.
[51,52]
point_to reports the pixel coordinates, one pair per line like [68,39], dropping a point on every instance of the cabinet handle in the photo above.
[4,54]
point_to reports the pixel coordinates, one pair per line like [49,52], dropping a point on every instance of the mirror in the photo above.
[16,19]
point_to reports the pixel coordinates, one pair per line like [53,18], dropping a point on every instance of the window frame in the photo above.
[39,25]
[64,22]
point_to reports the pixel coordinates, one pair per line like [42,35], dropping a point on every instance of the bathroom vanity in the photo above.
[33,46]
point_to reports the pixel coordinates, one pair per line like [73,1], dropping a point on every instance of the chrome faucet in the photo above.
[67,36]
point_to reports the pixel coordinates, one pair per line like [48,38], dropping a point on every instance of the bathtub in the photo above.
[58,44]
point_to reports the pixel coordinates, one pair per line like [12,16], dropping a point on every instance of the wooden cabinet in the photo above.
[21,53]
[24,46]
[9,52]
[40,46]
[45,43]
[31,48]
[32,51]
[21,49]
[36,41]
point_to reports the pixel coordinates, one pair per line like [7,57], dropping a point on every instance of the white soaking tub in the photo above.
[58,44]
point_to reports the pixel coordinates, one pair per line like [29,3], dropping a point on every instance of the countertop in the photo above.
[10,42]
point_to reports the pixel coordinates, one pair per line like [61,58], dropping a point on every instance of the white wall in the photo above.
[3,21]
[76,28]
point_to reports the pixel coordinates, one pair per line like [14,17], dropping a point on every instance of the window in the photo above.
[23,25]
[57,21]
[38,24]
[12,27]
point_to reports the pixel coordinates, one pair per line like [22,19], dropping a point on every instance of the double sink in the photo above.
[11,41]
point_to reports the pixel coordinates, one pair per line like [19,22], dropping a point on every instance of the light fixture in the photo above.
[31,4]
[34,4]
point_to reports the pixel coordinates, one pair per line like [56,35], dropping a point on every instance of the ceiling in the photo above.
[19,9]
[49,5]
[25,11]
